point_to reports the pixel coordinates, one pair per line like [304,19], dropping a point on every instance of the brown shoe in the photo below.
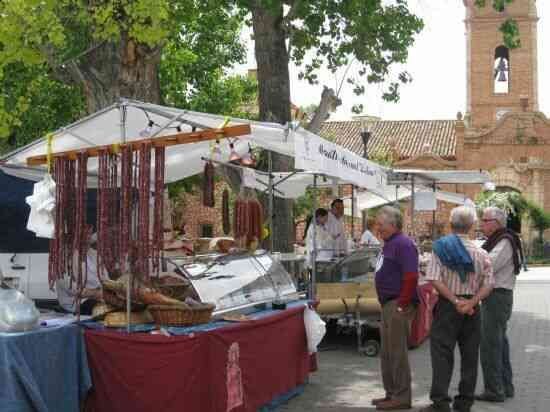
[376,401]
[393,405]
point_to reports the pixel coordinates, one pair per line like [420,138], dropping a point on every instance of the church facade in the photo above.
[502,131]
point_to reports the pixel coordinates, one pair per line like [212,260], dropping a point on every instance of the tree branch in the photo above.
[329,103]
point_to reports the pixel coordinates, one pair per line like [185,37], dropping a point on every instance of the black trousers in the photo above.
[495,348]
[450,328]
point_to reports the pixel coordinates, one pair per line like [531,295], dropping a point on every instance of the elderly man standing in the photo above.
[462,274]
[396,281]
[504,247]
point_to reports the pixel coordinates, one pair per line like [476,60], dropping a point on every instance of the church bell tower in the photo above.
[499,79]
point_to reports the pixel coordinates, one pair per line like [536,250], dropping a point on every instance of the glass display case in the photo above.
[235,282]
[358,266]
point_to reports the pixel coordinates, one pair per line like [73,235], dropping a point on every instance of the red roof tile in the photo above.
[410,136]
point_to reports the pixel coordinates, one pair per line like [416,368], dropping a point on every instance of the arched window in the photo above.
[501,75]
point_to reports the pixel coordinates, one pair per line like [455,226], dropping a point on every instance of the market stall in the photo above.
[128,174]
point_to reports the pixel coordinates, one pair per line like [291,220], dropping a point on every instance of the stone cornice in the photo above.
[451,164]
[474,136]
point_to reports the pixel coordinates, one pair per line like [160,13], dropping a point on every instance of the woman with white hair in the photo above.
[462,274]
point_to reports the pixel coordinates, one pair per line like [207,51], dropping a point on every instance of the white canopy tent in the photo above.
[128,120]
[368,200]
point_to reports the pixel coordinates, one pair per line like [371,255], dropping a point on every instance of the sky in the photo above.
[437,62]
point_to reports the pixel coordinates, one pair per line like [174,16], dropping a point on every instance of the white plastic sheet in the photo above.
[315,329]
[17,313]
[42,203]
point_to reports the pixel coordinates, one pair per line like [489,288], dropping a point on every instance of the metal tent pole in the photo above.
[313,280]
[270,202]
[433,214]
[122,109]
[352,212]
[412,207]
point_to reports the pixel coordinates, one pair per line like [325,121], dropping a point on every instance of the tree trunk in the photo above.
[114,70]
[274,101]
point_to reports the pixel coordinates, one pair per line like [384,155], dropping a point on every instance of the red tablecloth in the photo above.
[139,372]
[422,324]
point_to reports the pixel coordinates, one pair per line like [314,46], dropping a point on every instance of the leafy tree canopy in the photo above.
[41,40]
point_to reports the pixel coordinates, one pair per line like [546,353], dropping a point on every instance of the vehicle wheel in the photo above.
[371,348]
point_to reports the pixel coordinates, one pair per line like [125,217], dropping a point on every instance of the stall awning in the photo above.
[128,120]
[405,176]
[366,200]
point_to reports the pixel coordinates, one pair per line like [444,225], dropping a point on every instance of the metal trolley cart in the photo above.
[347,297]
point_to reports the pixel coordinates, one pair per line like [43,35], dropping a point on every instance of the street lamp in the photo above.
[365,136]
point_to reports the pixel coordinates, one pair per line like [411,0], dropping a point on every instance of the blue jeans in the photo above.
[495,348]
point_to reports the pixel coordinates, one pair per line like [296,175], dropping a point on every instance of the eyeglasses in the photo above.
[488,220]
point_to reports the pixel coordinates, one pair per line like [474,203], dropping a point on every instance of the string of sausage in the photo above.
[60,260]
[158,219]
[82,234]
[225,213]
[248,219]
[143,243]
[126,189]
[107,213]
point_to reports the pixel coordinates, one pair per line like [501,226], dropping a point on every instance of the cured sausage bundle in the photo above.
[248,219]
[208,185]
[225,213]
[60,260]
[123,220]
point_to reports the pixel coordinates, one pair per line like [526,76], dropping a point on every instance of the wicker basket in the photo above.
[119,319]
[181,315]
[175,290]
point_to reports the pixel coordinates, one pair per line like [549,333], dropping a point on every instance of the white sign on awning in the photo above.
[318,155]
[425,201]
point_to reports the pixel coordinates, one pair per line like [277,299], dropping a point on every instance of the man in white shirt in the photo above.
[66,295]
[323,240]
[336,226]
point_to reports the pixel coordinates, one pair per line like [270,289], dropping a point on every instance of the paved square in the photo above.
[347,382]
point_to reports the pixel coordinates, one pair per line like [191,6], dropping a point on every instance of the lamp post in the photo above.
[365,136]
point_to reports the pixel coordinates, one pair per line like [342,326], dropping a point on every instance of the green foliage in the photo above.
[304,204]
[34,104]
[198,40]
[187,185]
[510,202]
[515,203]
[539,218]
[382,158]
[231,96]
[509,29]
[371,35]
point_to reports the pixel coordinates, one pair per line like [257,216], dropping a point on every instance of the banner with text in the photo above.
[315,154]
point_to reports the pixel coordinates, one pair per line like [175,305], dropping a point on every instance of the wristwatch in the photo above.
[399,309]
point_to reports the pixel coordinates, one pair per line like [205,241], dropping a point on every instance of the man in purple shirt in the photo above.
[396,280]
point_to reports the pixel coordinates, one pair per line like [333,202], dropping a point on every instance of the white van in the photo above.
[28,272]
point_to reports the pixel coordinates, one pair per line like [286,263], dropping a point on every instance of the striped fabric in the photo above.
[483,271]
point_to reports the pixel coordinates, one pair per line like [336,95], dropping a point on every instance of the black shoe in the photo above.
[486,397]
[510,394]
[461,408]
